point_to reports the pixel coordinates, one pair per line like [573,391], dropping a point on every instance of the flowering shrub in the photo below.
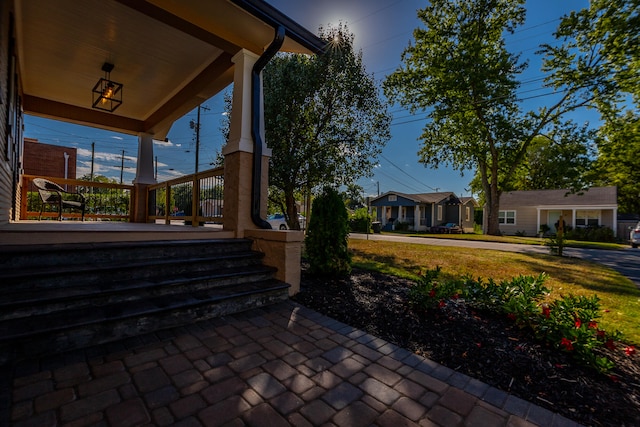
[568,324]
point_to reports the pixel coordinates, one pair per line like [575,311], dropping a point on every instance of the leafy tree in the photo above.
[353,197]
[617,164]
[561,159]
[328,235]
[605,35]
[324,119]
[459,71]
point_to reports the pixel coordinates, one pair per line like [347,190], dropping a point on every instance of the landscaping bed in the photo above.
[483,345]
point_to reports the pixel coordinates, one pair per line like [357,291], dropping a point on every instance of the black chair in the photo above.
[53,194]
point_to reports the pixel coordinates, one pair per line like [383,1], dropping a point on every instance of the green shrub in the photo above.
[401,226]
[567,324]
[592,234]
[360,221]
[327,236]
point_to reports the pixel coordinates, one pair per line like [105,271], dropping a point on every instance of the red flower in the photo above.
[593,325]
[578,323]
[511,316]
[432,294]
[455,296]
[630,350]
[601,333]
[442,303]
[479,344]
[614,378]
[546,311]
[567,344]
[610,345]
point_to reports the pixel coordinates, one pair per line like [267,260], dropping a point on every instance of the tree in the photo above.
[327,239]
[617,164]
[558,160]
[353,197]
[459,71]
[324,119]
[607,35]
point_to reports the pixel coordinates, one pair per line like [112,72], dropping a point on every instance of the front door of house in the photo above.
[552,218]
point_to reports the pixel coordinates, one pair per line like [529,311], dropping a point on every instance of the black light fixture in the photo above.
[107,94]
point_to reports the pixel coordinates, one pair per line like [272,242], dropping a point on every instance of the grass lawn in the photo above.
[619,297]
[522,240]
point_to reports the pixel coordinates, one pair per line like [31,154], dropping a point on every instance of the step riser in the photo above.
[126,328]
[60,297]
[123,272]
[79,298]
[52,255]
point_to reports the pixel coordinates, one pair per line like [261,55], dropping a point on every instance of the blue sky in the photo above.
[382,28]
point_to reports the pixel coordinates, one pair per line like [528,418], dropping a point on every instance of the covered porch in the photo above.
[163,59]
[137,266]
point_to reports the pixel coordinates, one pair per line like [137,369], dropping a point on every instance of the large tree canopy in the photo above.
[617,164]
[324,118]
[459,72]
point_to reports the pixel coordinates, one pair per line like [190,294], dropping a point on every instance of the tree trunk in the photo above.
[492,195]
[292,211]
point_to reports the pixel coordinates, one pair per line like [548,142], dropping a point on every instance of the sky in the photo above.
[382,29]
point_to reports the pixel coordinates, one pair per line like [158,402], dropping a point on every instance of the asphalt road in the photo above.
[626,261]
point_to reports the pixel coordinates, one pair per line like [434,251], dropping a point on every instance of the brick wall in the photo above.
[48,160]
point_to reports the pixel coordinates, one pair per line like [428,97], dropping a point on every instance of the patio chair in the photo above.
[53,194]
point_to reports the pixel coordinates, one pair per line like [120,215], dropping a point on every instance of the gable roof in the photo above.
[595,196]
[420,197]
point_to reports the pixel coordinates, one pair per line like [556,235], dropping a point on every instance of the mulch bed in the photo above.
[482,345]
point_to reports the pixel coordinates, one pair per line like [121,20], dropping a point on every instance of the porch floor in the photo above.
[48,232]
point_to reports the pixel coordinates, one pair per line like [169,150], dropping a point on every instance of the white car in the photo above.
[634,236]
[278,221]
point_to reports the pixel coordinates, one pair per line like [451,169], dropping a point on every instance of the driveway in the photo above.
[626,261]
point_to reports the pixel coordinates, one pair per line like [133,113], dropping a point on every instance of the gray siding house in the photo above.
[527,211]
[425,210]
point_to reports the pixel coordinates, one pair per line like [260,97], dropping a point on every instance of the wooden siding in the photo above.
[5,170]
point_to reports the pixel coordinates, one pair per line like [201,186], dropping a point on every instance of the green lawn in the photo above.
[619,297]
[523,240]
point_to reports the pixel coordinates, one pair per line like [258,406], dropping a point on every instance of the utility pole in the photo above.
[93,155]
[378,188]
[196,126]
[121,166]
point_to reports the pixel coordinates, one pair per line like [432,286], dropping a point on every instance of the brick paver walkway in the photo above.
[284,365]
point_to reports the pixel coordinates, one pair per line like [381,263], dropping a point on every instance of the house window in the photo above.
[439,212]
[467,215]
[507,217]
[393,198]
[590,218]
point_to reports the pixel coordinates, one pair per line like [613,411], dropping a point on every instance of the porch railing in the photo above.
[104,201]
[193,199]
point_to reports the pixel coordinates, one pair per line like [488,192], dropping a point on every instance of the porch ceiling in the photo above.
[169,55]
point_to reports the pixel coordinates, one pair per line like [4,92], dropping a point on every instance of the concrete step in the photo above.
[55,298]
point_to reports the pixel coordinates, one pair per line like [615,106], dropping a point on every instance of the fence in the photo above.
[192,199]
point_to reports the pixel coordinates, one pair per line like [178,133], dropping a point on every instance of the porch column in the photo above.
[144,177]
[238,152]
[416,218]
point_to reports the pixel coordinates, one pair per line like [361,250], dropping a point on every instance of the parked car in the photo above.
[279,222]
[449,228]
[634,236]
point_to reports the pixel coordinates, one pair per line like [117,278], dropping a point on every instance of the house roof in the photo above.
[595,196]
[420,197]
[169,55]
